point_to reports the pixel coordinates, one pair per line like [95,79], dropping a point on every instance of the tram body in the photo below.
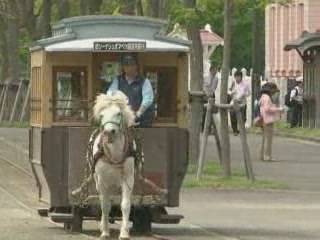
[68,71]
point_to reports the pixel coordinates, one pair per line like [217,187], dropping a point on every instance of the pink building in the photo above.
[284,23]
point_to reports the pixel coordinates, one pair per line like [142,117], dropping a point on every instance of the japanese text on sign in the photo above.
[119,46]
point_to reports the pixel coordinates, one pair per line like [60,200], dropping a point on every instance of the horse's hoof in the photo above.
[104,238]
[124,238]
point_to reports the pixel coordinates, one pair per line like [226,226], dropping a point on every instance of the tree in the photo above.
[3,50]
[63,8]
[225,141]
[46,19]
[13,41]
[196,64]
[128,7]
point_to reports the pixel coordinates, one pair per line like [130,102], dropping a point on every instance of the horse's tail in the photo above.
[83,186]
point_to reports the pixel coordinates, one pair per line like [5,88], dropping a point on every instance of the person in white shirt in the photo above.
[209,87]
[240,90]
[211,82]
[296,99]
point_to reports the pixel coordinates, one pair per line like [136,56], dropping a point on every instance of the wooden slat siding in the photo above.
[317,90]
[182,96]
[35,101]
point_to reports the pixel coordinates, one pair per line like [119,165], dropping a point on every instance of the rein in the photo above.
[125,152]
[118,124]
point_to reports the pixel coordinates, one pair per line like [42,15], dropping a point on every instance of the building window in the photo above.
[70,96]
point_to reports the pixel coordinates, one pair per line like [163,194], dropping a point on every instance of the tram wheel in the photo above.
[76,224]
[141,221]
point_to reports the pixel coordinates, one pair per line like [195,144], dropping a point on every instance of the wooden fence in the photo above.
[14,101]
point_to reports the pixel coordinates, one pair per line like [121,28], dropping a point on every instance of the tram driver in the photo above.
[137,88]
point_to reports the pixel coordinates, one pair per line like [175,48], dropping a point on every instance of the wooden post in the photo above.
[25,102]
[217,138]
[4,101]
[245,147]
[2,93]
[203,147]
[16,101]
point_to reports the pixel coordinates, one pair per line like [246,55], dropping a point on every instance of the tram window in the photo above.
[164,83]
[108,72]
[70,94]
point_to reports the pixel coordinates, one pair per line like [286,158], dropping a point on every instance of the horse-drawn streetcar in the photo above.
[68,71]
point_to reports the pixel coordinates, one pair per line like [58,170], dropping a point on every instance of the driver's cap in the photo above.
[129,59]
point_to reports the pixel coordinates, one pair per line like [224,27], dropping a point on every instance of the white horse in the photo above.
[115,168]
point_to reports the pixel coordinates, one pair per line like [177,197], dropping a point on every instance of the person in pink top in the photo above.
[270,113]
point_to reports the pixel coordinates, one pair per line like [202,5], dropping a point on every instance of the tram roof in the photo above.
[87,45]
[80,34]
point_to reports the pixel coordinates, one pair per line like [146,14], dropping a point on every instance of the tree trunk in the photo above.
[140,8]
[257,52]
[63,8]
[154,8]
[46,18]
[13,44]
[3,51]
[128,7]
[28,18]
[196,104]
[84,8]
[225,141]
[94,6]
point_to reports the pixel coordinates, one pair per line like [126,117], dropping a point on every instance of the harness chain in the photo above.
[83,190]
[134,136]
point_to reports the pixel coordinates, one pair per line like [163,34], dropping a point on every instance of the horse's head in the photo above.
[113,113]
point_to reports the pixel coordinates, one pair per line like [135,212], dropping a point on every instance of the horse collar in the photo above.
[125,152]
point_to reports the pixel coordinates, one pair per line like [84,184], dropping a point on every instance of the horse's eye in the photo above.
[118,114]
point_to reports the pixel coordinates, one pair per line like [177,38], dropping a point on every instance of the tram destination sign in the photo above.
[119,46]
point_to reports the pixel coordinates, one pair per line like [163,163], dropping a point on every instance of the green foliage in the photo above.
[212,12]
[24,43]
[212,178]
[207,11]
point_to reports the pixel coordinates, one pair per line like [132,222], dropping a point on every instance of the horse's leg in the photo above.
[105,209]
[127,187]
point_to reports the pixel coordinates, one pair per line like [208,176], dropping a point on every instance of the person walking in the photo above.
[240,90]
[210,85]
[270,113]
[296,99]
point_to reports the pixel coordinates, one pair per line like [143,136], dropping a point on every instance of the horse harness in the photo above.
[128,150]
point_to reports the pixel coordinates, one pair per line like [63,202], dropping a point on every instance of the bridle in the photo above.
[119,124]
[122,130]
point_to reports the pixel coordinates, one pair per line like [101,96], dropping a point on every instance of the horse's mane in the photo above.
[104,101]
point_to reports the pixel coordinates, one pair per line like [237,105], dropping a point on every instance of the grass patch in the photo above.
[285,128]
[15,124]
[212,178]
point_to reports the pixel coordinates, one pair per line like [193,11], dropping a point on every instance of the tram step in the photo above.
[43,212]
[61,217]
[168,219]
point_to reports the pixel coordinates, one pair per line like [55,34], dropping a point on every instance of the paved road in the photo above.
[19,221]
[245,215]
[254,215]
[19,136]
[298,162]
